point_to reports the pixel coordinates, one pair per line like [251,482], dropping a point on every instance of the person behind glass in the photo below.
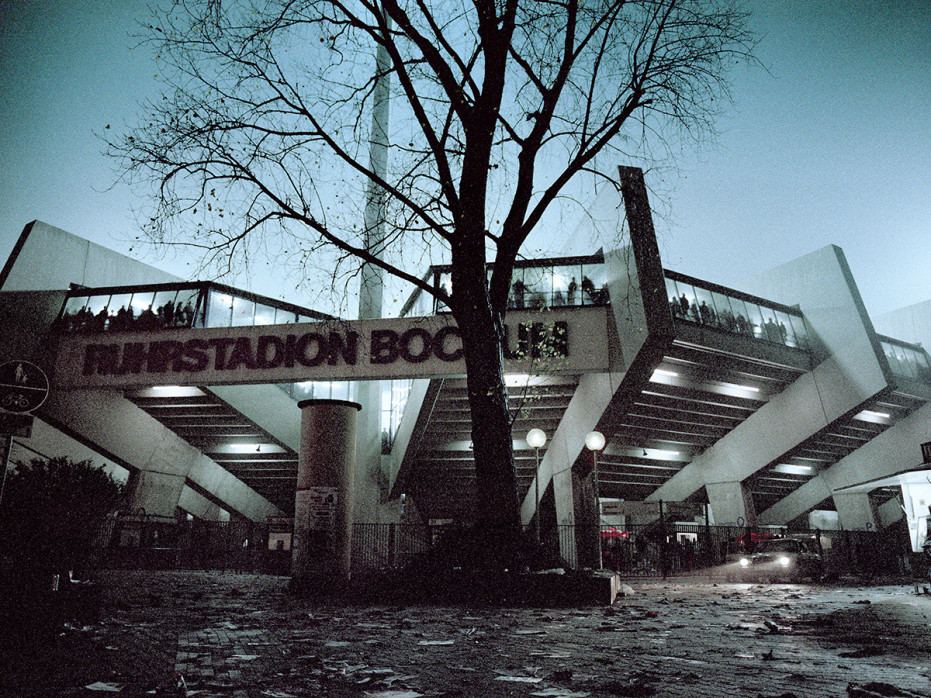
[570,291]
[707,314]
[588,288]
[519,290]
[684,305]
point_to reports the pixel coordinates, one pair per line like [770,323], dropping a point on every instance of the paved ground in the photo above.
[243,635]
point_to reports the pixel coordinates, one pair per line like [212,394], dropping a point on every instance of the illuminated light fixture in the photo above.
[174,391]
[244,448]
[870,414]
[536,438]
[663,452]
[514,380]
[748,388]
[595,441]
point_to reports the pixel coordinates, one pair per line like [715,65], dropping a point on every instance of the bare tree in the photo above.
[497,108]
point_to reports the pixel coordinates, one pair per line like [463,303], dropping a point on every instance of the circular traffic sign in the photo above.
[23,387]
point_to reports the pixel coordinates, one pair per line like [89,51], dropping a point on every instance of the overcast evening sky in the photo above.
[832,145]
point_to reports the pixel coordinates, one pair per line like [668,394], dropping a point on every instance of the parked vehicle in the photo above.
[782,559]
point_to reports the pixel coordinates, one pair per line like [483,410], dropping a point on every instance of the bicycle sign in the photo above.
[23,387]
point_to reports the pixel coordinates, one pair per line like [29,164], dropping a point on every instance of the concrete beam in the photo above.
[165,461]
[889,453]
[851,369]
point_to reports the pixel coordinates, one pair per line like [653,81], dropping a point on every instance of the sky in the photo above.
[831,144]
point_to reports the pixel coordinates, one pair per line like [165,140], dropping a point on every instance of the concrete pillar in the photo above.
[731,504]
[854,511]
[323,500]
[155,492]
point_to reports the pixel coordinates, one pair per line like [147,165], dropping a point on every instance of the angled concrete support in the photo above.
[889,453]
[165,462]
[854,512]
[851,369]
[731,504]
[802,500]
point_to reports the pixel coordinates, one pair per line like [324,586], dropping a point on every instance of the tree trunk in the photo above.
[497,505]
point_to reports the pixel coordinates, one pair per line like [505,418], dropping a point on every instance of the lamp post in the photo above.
[536,439]
[594,442]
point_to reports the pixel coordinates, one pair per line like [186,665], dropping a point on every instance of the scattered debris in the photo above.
[877,689]
[519,679]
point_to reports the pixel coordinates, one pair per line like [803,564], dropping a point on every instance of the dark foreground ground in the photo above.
[243,635]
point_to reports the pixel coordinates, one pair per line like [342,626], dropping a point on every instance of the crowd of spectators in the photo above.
[125,319]
[704,314]
[587,294]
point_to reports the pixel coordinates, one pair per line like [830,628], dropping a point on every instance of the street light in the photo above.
[594,442]
[536,439]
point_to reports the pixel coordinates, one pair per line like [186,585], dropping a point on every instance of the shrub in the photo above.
[52,509]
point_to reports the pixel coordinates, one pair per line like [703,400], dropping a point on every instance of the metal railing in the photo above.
[643,551]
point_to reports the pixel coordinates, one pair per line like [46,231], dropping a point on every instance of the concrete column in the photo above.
[323,501]
[854,511]
[155,492]
[730,503]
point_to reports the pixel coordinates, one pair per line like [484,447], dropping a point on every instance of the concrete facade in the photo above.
[811,398]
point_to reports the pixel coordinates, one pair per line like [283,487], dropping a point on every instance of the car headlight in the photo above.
[745,562]
[785,561]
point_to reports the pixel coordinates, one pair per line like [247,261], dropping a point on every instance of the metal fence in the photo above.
[140,541]
[683,549]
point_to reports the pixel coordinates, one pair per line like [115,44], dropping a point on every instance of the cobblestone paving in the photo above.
[241,635]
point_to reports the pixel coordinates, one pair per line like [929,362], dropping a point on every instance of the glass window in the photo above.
[566,285]
[219,309]
[755,318]
[186,308]
[97,303]
[769,328]
[243,312]
[905,360]
[121,314]
[142,302]
[285,317]
[785,329]
[725,315]
[800,331]
[74,305]
[593,286]
[264,314]
[164,307]
[538,282]
[687,301]
[706,312]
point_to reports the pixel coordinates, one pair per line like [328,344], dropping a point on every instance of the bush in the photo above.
[52,509]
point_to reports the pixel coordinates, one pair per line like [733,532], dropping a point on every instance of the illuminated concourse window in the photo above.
[545,283]
[167,306]
[739,313]
[906,360]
